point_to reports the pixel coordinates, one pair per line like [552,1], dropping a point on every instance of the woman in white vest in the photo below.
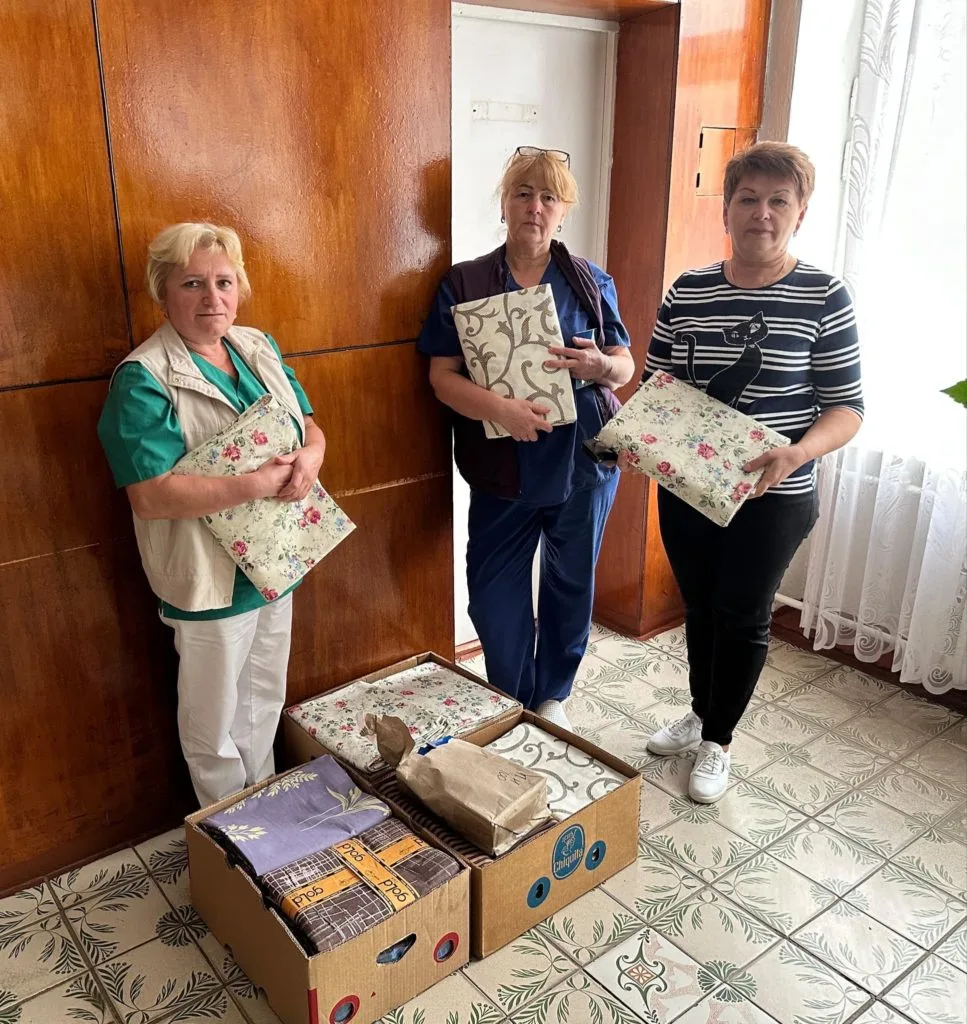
[189,380]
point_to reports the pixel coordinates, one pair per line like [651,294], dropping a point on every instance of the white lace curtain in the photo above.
[887,565]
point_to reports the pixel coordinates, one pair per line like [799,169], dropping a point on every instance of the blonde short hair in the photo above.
[777,160]
[551,171]
[175,246]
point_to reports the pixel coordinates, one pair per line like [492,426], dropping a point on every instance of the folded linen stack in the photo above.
[339,893]
[433,700]
[574,778]
[327,855]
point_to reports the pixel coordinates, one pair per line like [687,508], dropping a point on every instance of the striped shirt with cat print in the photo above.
[781,354]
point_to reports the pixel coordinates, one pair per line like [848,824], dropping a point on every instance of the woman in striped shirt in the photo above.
[776,339]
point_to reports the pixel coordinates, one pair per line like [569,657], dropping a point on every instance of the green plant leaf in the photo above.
[958,392]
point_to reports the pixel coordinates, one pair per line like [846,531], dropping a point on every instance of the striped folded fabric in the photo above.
[336,894]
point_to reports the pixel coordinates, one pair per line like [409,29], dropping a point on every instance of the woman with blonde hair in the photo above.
[535,485]
[188,381]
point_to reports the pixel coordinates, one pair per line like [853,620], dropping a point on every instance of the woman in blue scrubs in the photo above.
[536,485]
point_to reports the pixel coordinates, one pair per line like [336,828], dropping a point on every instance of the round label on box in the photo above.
[595,855]
[538,892]
[568,852]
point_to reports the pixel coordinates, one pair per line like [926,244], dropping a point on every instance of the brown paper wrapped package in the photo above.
[486,798]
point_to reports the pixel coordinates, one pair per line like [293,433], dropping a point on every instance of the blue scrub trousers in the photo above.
[534,665]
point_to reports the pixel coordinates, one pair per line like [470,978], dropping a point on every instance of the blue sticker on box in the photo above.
[568,852]
[595,855]
[538,892]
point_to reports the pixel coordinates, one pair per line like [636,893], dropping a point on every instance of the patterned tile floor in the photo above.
[828,886]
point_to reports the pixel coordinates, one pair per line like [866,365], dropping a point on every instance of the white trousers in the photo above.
[231,690]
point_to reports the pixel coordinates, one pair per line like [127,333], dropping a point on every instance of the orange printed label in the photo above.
[397,893]
[400,850]
[316,892]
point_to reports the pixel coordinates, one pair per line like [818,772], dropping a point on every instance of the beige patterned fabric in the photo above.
[693,445]
[505,340]
[574,779]
[275,543]
[432,700]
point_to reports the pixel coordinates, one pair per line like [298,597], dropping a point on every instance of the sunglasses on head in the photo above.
[557,154]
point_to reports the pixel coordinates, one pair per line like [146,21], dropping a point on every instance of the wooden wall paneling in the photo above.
[62,312]
[745,137]
[610,10]
[643,125]
[381,419]
[320,131]
[720,74]
[385,593]
[88,731]
[780,68]
[678,71]
[56,490]
[640,180]
[716,146]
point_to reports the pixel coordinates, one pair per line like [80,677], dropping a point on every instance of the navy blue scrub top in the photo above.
[553,466]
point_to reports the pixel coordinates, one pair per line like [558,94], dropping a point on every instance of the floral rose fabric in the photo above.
[693,445]
[275,543]
[432,700]
[505,340]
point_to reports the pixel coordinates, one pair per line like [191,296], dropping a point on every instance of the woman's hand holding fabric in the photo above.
[273,475]
[523,419]
[305,465]
[305,462]
[584,362]
[778,464]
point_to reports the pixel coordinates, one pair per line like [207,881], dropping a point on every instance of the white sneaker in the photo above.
[553,711]
[710,776]
[677,737]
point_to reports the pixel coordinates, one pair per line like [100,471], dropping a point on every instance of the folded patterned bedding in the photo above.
[336,894]
[327,855]
[298,813]
[433,700]
[574,778]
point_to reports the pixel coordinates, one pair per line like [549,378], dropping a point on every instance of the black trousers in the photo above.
[728,578]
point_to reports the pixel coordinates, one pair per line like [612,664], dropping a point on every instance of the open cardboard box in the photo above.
[347,984]
[542,874]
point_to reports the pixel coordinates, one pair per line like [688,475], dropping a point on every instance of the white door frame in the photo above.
[610,29]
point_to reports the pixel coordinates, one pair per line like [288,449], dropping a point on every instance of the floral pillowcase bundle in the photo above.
[693,445]
[275,543]
[505,340]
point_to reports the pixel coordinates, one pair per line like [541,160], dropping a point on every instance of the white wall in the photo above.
[564,69]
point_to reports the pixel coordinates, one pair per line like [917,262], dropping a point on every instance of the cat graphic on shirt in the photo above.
[729,383]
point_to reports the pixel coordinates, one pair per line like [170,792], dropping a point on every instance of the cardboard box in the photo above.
[547,871]
[301,747]
[346,984]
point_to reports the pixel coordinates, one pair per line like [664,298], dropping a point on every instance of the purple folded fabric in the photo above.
[306,810]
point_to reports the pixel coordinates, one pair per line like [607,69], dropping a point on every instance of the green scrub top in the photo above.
[142,439]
